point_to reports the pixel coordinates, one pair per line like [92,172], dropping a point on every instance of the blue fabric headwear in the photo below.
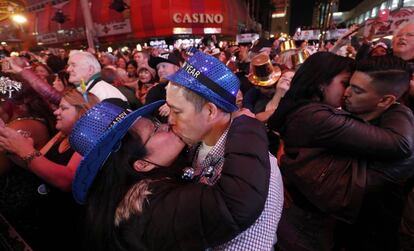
[210,78]
[96,135]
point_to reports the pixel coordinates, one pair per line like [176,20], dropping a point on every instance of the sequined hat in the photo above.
[93,124]
[209,78]
[88,136]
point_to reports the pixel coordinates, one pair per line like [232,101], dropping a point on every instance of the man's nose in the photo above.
[347,92]
[171,120]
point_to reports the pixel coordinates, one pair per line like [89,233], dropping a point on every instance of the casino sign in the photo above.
[145,19]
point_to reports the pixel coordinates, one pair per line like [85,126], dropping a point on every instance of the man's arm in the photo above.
[204,216]
[338,130]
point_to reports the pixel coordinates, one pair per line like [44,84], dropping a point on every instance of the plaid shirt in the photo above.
[262,234]
[213,160]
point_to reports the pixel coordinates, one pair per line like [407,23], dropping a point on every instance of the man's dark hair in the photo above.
[390,74]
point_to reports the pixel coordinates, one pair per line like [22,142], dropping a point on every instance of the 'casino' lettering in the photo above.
[201,18]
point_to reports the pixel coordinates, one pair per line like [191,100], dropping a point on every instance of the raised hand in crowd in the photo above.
[13,65]
[164,110]
[344,39]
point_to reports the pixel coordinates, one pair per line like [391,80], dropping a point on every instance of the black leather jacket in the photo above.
[322,142]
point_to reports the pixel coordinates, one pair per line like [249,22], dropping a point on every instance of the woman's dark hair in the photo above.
[38,64]
[108,189]
[134,64]
[55,63]
[306,86]
[64,77]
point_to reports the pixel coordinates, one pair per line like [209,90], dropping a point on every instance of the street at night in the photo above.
[278,125]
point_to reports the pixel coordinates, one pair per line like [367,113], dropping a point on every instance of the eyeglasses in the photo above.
[157,124]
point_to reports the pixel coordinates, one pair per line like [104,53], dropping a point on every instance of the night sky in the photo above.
[301,12]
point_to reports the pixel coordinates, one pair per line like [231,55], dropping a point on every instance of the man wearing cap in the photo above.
[84,72]
[166,64]
[201,96]
[264,77]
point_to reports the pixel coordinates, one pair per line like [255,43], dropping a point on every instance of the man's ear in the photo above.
[211,110]
[91,70]
[386,101]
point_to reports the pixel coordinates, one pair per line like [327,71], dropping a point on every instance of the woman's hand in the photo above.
[164,110]
[14,142]
[243,111]
[283,85]
[13,65]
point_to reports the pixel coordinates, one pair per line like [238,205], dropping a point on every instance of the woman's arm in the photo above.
[46,91]
[58,175]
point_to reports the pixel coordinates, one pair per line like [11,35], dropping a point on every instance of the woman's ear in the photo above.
[143,166]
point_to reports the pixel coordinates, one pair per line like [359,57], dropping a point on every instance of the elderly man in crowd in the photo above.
[84,72]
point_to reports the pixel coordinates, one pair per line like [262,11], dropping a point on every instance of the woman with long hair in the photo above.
[61,81]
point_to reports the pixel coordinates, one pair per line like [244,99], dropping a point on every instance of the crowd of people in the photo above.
[256,146]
